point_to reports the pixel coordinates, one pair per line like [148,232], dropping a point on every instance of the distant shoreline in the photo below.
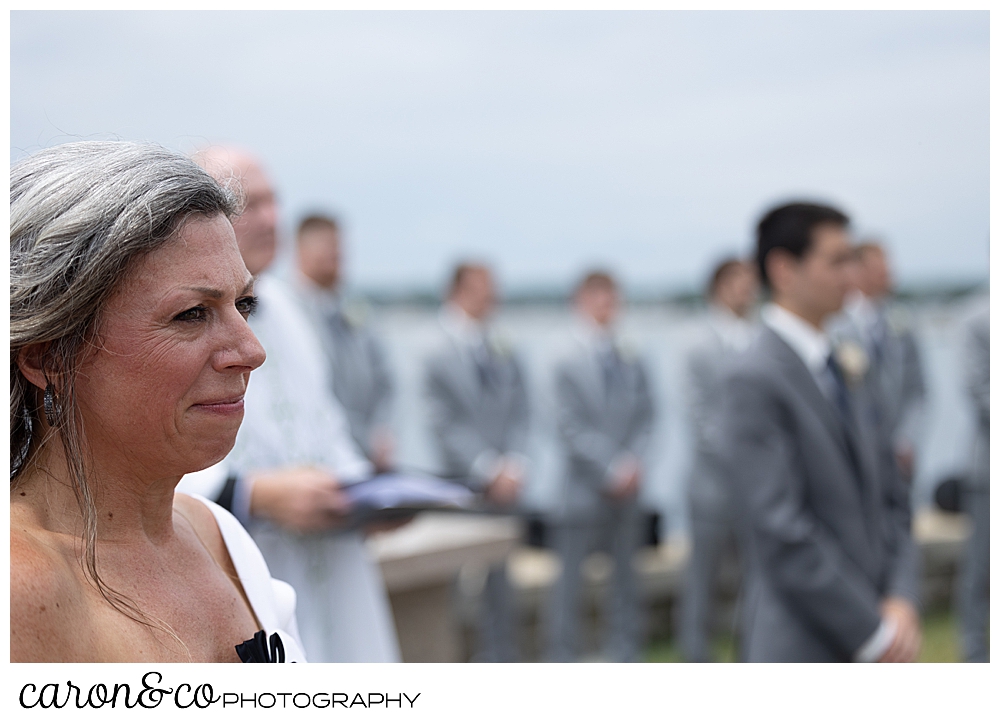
[430,297]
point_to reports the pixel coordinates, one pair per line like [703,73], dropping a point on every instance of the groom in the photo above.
[831,565]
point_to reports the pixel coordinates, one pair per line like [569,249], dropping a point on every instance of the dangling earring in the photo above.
[51,410]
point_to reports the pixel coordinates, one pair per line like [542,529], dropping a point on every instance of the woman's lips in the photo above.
[233,405]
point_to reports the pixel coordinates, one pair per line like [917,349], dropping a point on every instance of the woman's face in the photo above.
[162,391]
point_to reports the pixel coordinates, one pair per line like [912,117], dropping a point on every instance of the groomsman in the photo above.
[359,372]
[974,579]
[605,416]
[831,568]
[478,406]
[727,332]
[894,372]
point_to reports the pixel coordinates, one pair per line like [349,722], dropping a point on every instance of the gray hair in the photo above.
[81,216]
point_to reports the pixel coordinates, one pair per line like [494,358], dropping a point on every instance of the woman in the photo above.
[130,355]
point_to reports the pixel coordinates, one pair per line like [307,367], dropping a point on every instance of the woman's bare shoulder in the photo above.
[204,525]
[46,600]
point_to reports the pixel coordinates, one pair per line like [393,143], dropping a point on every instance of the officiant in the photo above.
[294,453]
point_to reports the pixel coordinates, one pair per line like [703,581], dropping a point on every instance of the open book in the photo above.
[394,495]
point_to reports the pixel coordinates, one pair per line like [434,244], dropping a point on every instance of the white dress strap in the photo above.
[273,601]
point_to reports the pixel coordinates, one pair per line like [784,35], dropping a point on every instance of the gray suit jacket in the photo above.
[977,382]
[597,424]
[473,423]
[359,374]
[361,379]
[895,375]
[827,536]
[707,363]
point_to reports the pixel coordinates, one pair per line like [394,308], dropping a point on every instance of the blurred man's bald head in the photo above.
[256,227]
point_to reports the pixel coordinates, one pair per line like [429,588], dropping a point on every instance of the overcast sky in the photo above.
[648,142]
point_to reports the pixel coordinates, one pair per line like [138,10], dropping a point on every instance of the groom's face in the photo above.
[823,274]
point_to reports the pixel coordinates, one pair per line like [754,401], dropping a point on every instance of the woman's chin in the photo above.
[205,455]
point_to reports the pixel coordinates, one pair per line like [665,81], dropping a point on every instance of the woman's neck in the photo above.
[129,508]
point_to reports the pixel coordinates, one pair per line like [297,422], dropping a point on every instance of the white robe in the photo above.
[292,419]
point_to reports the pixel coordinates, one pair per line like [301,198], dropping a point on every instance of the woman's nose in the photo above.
[244,351]
[252,349]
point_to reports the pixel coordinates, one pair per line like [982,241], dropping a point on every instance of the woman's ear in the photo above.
[30,360]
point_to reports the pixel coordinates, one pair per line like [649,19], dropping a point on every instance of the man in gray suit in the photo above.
[478,406]
[831,567]
[974,578]
[605,417]
[727,331]
[894,373]
[360,376]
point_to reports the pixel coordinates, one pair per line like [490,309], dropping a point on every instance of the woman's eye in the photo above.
[196,313]
[247,305]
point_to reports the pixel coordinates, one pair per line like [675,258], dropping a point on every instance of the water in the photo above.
[663,334]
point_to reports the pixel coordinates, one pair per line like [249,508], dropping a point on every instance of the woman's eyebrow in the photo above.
[216,293]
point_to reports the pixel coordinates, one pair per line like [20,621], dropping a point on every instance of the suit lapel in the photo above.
[503,368]
[794,369]
[802,379]
[591,378]
[847,437]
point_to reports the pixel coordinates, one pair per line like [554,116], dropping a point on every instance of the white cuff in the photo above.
[876,645]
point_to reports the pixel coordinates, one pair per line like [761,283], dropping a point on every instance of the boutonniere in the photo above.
[853,361]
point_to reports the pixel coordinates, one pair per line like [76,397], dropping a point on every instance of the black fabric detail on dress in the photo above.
[225,498]
[255,649]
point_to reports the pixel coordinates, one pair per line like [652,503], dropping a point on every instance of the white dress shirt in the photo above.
[812,345]
[468,334]
[324,301]
[600,339]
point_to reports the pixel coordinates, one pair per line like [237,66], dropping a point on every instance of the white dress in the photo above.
[273,601]
[292,419]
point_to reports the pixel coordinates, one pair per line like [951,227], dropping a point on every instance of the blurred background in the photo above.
[547,143]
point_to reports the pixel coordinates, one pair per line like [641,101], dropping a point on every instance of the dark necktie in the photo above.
[614,374]
[842,401]
[335,321]
[841,397]
[485,367]
[879,336]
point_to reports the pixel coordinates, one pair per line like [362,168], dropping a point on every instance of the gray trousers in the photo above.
[973,583]
[497,629]
[618,530]
[711,538]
